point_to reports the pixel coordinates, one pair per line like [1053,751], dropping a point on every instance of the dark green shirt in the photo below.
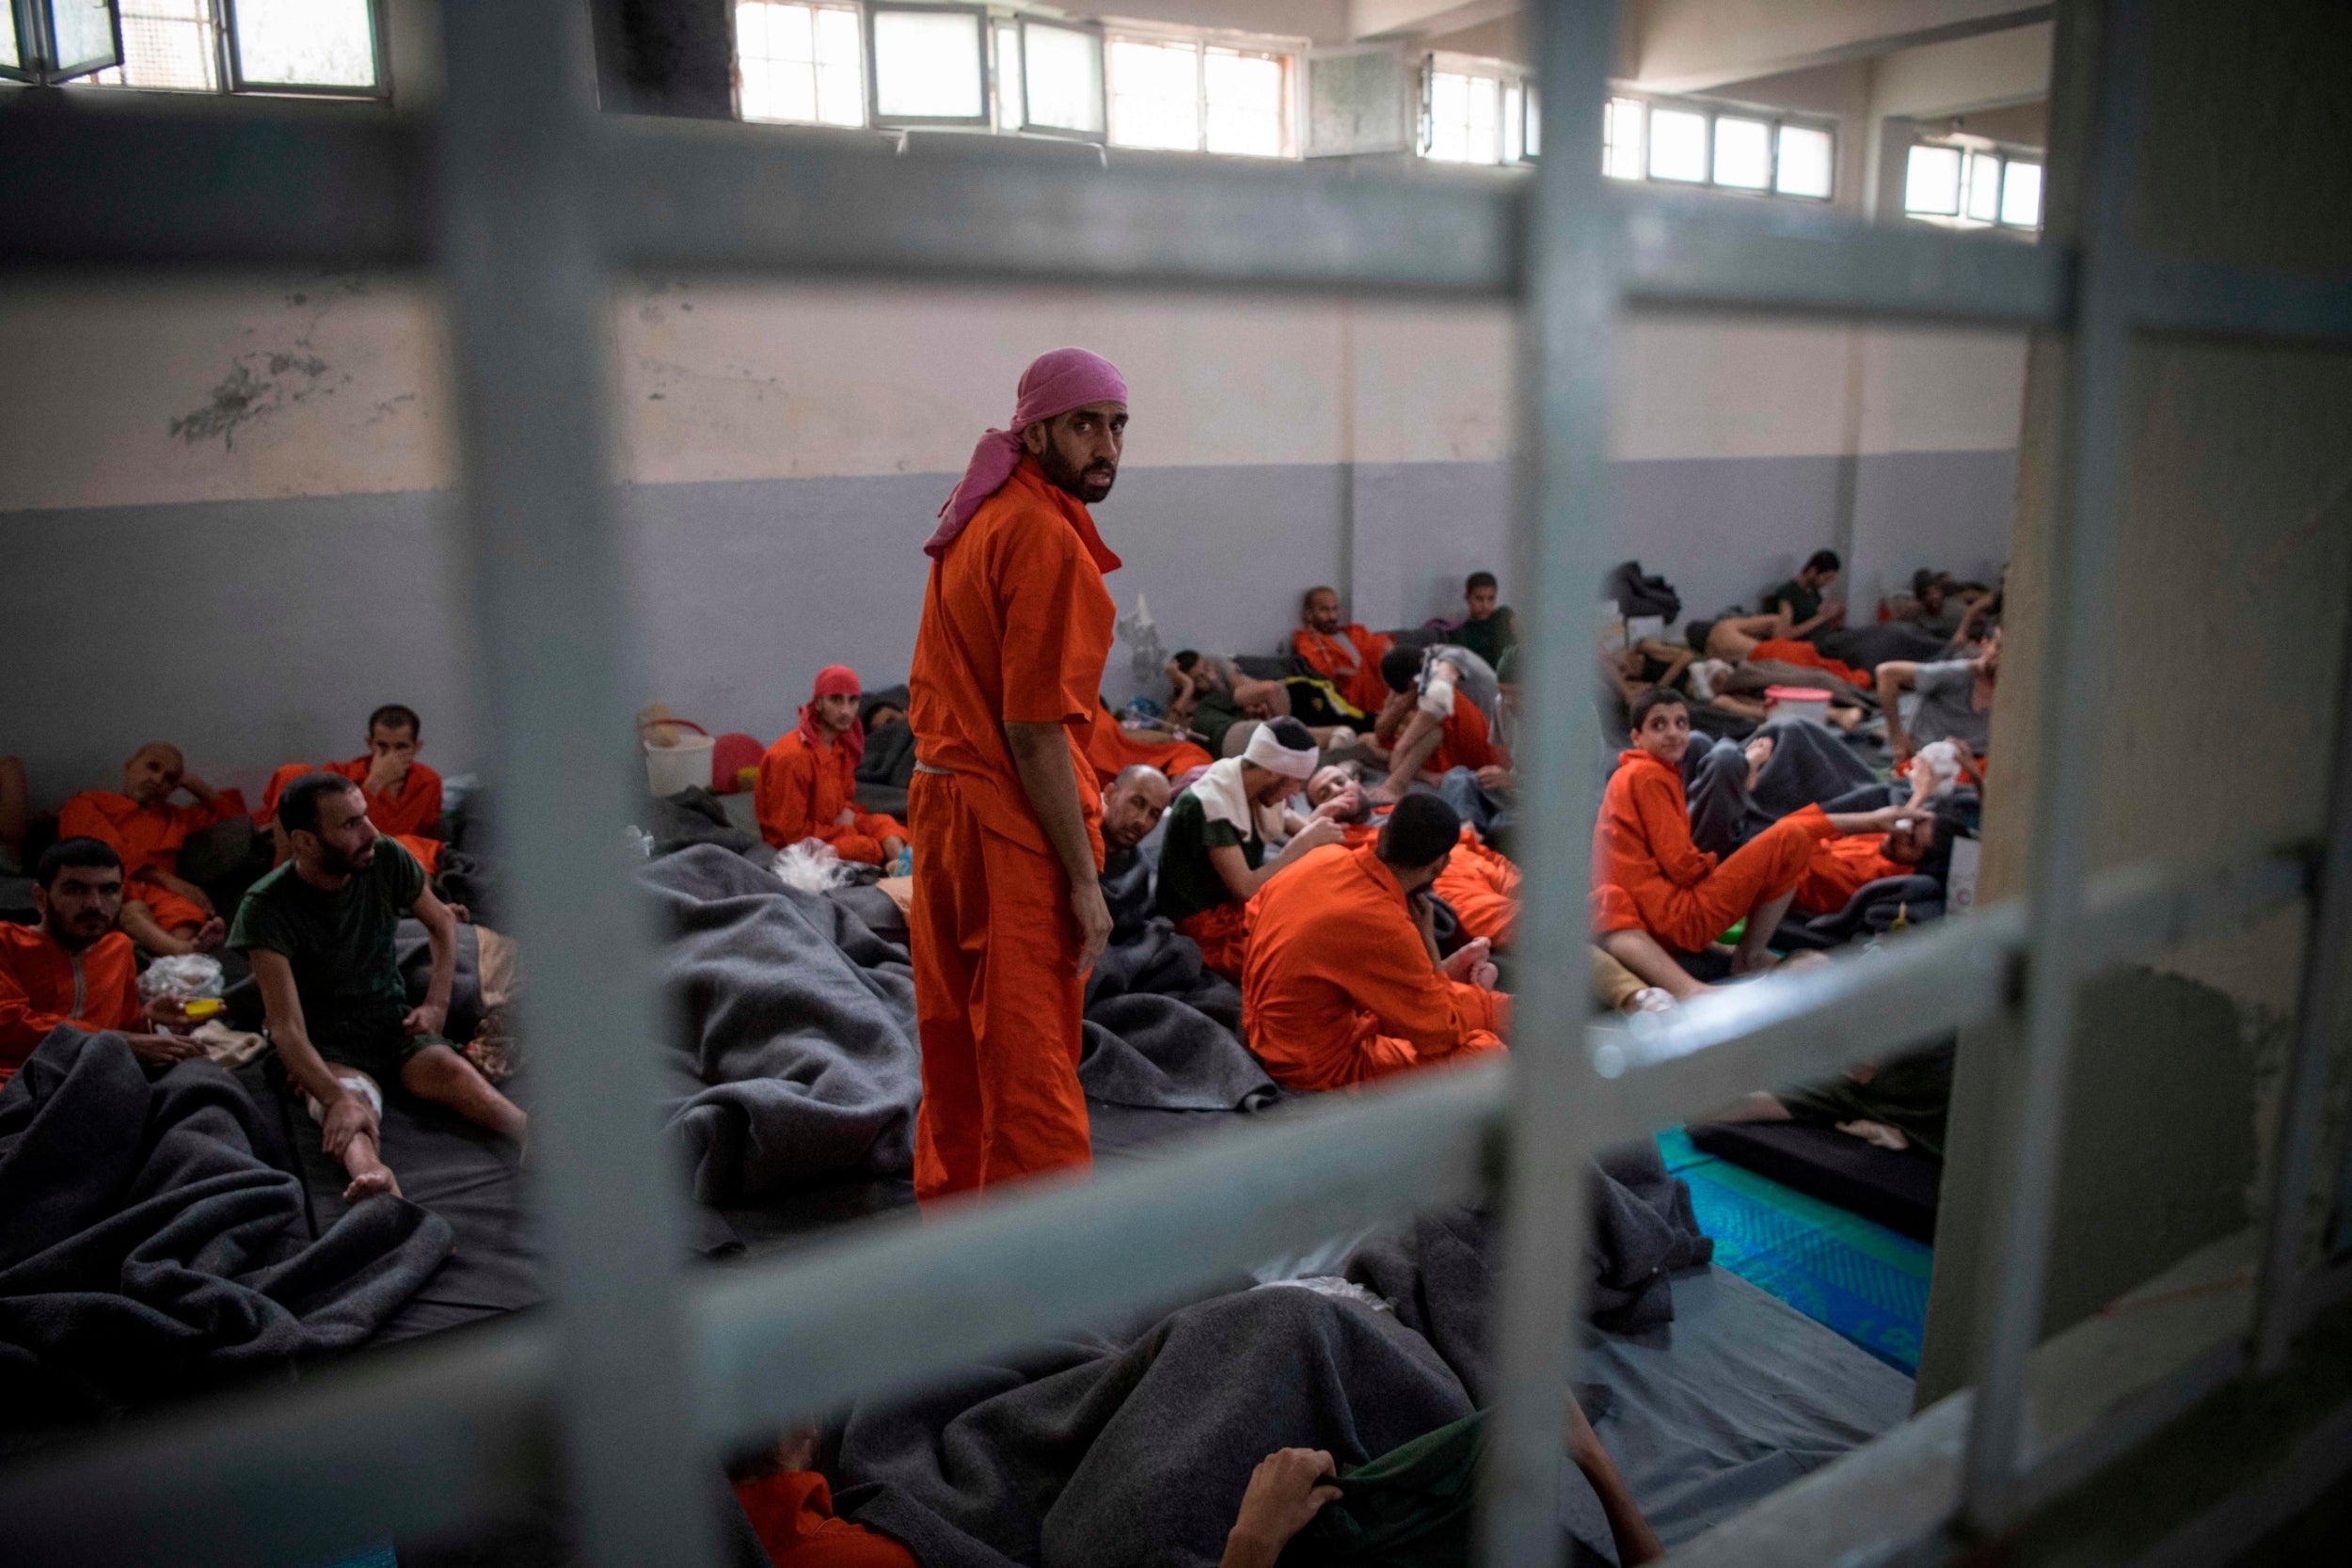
[1488,639]
[1189,882]
[1803,604]
[1213,714]
[339,944]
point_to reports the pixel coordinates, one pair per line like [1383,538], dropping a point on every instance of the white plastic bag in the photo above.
[810,865]
[182,978]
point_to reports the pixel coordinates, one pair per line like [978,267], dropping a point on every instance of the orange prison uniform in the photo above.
[802,789]
[1016,625]
[148,838]
[792,1512]
[1481,887]
[1355,672]
[1841,867]
[41,986]
[1642,846]
[1339,986]
[412,815]
[1468,742]
[1113,750]
[1221,932]
[1789,651]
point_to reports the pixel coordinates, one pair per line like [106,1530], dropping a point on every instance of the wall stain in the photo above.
[257,385]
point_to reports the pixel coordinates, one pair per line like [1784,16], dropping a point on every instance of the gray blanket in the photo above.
[148,1252]
[1809,766]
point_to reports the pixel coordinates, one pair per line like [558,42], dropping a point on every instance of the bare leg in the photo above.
[442,1076]
[16,809]
[369,1174]
[1415,745]
[1754,1106]
[1641,953]
[1763,921]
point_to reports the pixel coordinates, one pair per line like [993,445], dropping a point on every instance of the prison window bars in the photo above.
[529,203]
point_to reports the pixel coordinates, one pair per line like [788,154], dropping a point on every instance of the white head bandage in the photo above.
[1707,676]
[1268,753]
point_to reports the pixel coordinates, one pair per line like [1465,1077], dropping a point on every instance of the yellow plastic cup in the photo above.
[202,1007]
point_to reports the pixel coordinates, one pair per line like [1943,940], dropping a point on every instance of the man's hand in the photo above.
[426,1018]
[1468,965]
[163,1049]
[847,819]
[210,934]
[385,775]
[1095,923]
[1319,830]
[1286,1491]
[197,789]
[1495,777]
[1342,807]
[347,1118]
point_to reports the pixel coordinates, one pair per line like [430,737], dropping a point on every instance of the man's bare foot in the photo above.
[1759,751]
[369,1182]
[210,935]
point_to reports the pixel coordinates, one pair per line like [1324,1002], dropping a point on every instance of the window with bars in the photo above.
[1191,95]
[331,48]
[1731,150]
[1965,185]
[799,64]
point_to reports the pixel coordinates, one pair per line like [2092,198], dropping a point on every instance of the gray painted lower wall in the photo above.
[256,632]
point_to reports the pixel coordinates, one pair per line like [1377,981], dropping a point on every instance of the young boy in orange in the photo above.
[1679,893]
[403,795]
[1342,981]
[160,911]
[1345,655]
[807,784]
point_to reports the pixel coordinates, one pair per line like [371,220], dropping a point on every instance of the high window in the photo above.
[1194,95]
[328,48]
[930,64]
[1968,185]
[802,64]
[1732,150]
[1476,112]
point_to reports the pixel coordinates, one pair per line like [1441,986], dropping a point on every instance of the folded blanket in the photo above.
[146,1251]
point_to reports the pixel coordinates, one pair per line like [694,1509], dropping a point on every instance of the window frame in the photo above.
[232,60]
[1712,109]
[36,64]
[1290,51]
[1511,82]
[1970,148]
[984,24]
[1022,21]
[865,82]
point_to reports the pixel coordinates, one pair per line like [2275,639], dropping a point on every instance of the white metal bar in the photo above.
[2067,757]
[1570,321]
[530,310]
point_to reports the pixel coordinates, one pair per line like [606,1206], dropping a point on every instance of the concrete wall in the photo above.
[226,504]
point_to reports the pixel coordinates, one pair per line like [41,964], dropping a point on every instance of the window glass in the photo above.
[800,63]
[1932,182]
[1806,162]
[927,65]
[1063,71]
[1465,118]
[1744,152]
[1621,138]
[2021,194]
[10,56]
[1984,187]
[1678,145]
[1514,121]
[1534,123]
[165,43]
[328,43]
[1246,99]
[1155,94]
[82,32]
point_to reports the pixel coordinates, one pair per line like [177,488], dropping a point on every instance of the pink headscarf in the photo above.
[833,680]
[1054,384]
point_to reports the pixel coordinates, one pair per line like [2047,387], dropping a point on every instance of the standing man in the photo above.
[1009,914]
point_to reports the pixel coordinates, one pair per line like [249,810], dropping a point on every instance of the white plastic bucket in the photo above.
[1796,702]
[682,765]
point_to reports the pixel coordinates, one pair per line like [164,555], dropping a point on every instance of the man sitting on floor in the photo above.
[1955,701]
[1487,629]
[1667,885]
[807,784]
[1345,655]
[1342,981]
[320,931]
[1798,600]
[403,795]
[1113,748]
[74,968]
[1436,720]
[1132,807]
[1213,861]
[163,913]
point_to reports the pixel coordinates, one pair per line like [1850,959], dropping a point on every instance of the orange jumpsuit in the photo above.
[148,838]
[1016,625]
[1789,651]
[412,815]
[802,793]
[41,986]
[1481,887]
[1339,986]
[1113,750]
[1468,742]
[792,1512]
[1641,847]
[1355,670]
[1841,867]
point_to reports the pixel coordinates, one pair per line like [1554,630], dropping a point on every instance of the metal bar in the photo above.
[2318,1014]
[529,310]
[778,1339]
[2165,294]
[1571,320]
[1686,250]
[2078,610]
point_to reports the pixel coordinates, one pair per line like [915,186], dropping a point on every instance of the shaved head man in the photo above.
[160,911]
[1132,807]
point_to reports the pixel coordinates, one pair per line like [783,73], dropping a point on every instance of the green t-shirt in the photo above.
[1489,639]
[1213,714]
[339,944]
[1189,882]
[1802,601]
